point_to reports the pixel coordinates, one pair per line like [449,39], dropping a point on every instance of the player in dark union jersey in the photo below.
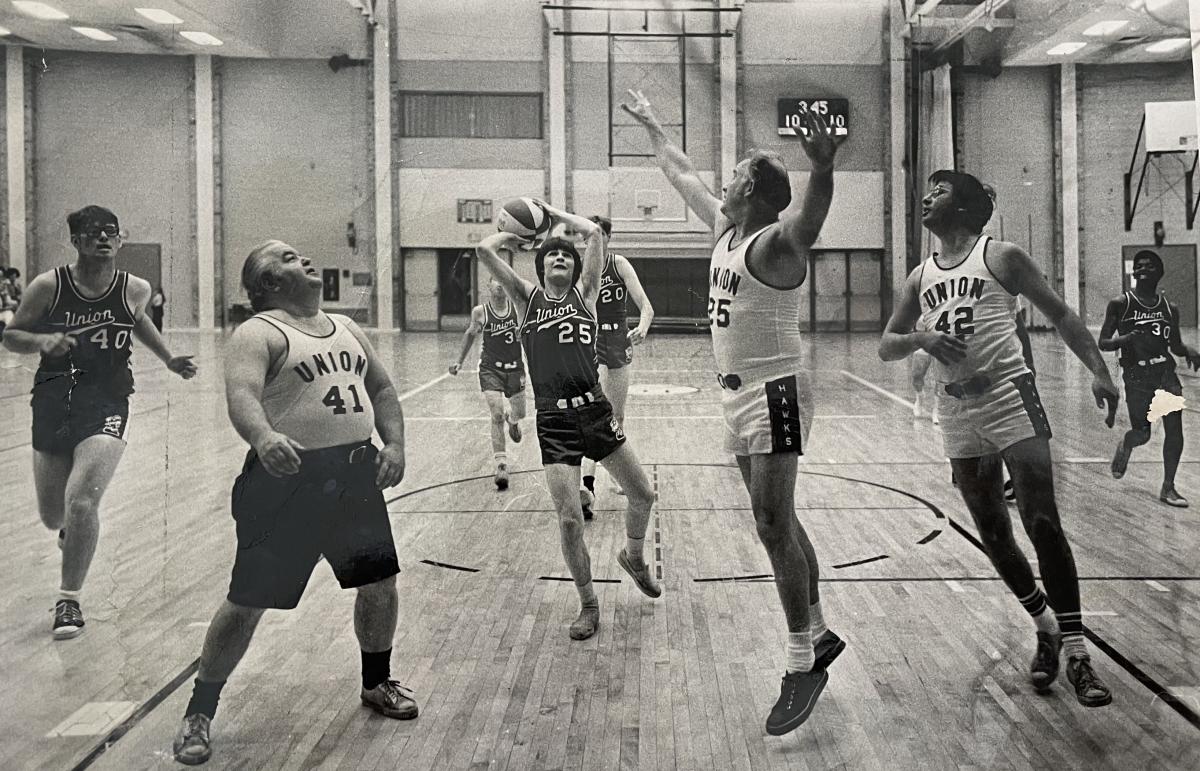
[967,299]
[1144,327]
[574,419]
[501,371]
[82,319]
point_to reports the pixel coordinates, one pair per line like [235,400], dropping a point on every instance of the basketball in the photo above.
[522,217]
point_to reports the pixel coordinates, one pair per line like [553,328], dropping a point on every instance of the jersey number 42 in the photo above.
[964,322]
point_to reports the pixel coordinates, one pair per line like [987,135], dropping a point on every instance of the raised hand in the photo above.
[640,109]
[820,143]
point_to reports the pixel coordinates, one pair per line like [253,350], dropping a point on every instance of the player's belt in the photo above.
[972,386]
[574,402]
[505,364]
[611,326]
[729,382]
[1152,362]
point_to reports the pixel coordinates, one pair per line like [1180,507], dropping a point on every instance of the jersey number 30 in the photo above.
[333,398]
[964,322]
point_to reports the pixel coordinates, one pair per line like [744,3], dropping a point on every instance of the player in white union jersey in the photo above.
[967,298]
[305,390]
[758,265]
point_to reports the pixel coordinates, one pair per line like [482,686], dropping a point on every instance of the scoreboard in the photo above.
[835,112]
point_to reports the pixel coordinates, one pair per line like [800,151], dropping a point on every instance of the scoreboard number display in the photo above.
[835,112]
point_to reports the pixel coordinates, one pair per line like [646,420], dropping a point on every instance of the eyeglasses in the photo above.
[112,231]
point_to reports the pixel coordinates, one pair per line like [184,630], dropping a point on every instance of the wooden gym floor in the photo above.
[935,675]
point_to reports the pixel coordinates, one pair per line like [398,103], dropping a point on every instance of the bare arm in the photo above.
[144,331]
[677,167]
[246,365]
[20,335]
[1109,339]
[899,337]
[593,255]
[799,231]
[389,415]
[473,329]
[634,286]
[517,288]
[1017,273]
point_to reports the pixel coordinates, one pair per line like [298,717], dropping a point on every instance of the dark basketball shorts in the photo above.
[1140,385]
[990,422]
[330,508]
[613,349]
[62,419]
[566,436]
[509,381]
[766,417]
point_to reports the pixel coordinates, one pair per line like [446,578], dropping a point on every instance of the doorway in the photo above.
[456,288]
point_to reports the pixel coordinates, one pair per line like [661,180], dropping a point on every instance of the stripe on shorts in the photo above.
[1033,404]
[783,406]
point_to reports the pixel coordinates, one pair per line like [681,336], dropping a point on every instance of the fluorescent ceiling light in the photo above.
[1065,49]
[39,10]
[5,31]
[201,38]
[94,34]
[1168,45]
[159,16]
[1105,28]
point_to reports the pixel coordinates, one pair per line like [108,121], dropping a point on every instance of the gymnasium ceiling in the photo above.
[1023,31]
[286,29]
[1011,32]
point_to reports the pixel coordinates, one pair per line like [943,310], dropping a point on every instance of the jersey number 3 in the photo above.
[333,398]
[964,322]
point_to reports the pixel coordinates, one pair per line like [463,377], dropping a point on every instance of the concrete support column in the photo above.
[205,194]
[14,130]
[728,106]
[556,61]
[381,67]
[897,186]
[1069,119]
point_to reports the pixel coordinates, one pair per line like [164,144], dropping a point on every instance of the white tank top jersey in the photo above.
[755,327]
[968,302]
[319,396]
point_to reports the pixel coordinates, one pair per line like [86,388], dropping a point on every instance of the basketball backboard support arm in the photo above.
[1167,128]
[1131,198]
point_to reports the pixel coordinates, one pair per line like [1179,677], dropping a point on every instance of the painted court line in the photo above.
[878,389]
[430,384]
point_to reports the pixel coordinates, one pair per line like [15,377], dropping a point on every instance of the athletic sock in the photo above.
[816,622]
[64,594]
[1035,605]
[634,550]
[204,698]
[1071,625]
[799,652]
[500,457]
[587,595]
[590,483]
[376,667]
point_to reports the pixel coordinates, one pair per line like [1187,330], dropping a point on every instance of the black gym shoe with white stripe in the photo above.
[797,697]
[1089,690]
[68,619]
[1044,669]
[192,746]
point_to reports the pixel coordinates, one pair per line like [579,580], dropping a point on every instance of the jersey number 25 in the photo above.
[568,332]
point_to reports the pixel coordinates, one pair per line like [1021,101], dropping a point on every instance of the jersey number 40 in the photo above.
[964,322]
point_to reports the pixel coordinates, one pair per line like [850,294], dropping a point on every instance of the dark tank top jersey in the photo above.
[103,332]
[560,345]
[501,344]
[610,303]
[1155,323]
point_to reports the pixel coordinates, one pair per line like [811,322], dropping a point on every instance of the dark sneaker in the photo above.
[643,577]
[586,499]
[62,539]
[827,648]
[1010,494]
[1088,689]
[514,432]
[501,477]
[587,624]
[1120,461]
[1044,669]
[192,746]
[391,699]
[1172,498]
[68,620]
[797,697]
